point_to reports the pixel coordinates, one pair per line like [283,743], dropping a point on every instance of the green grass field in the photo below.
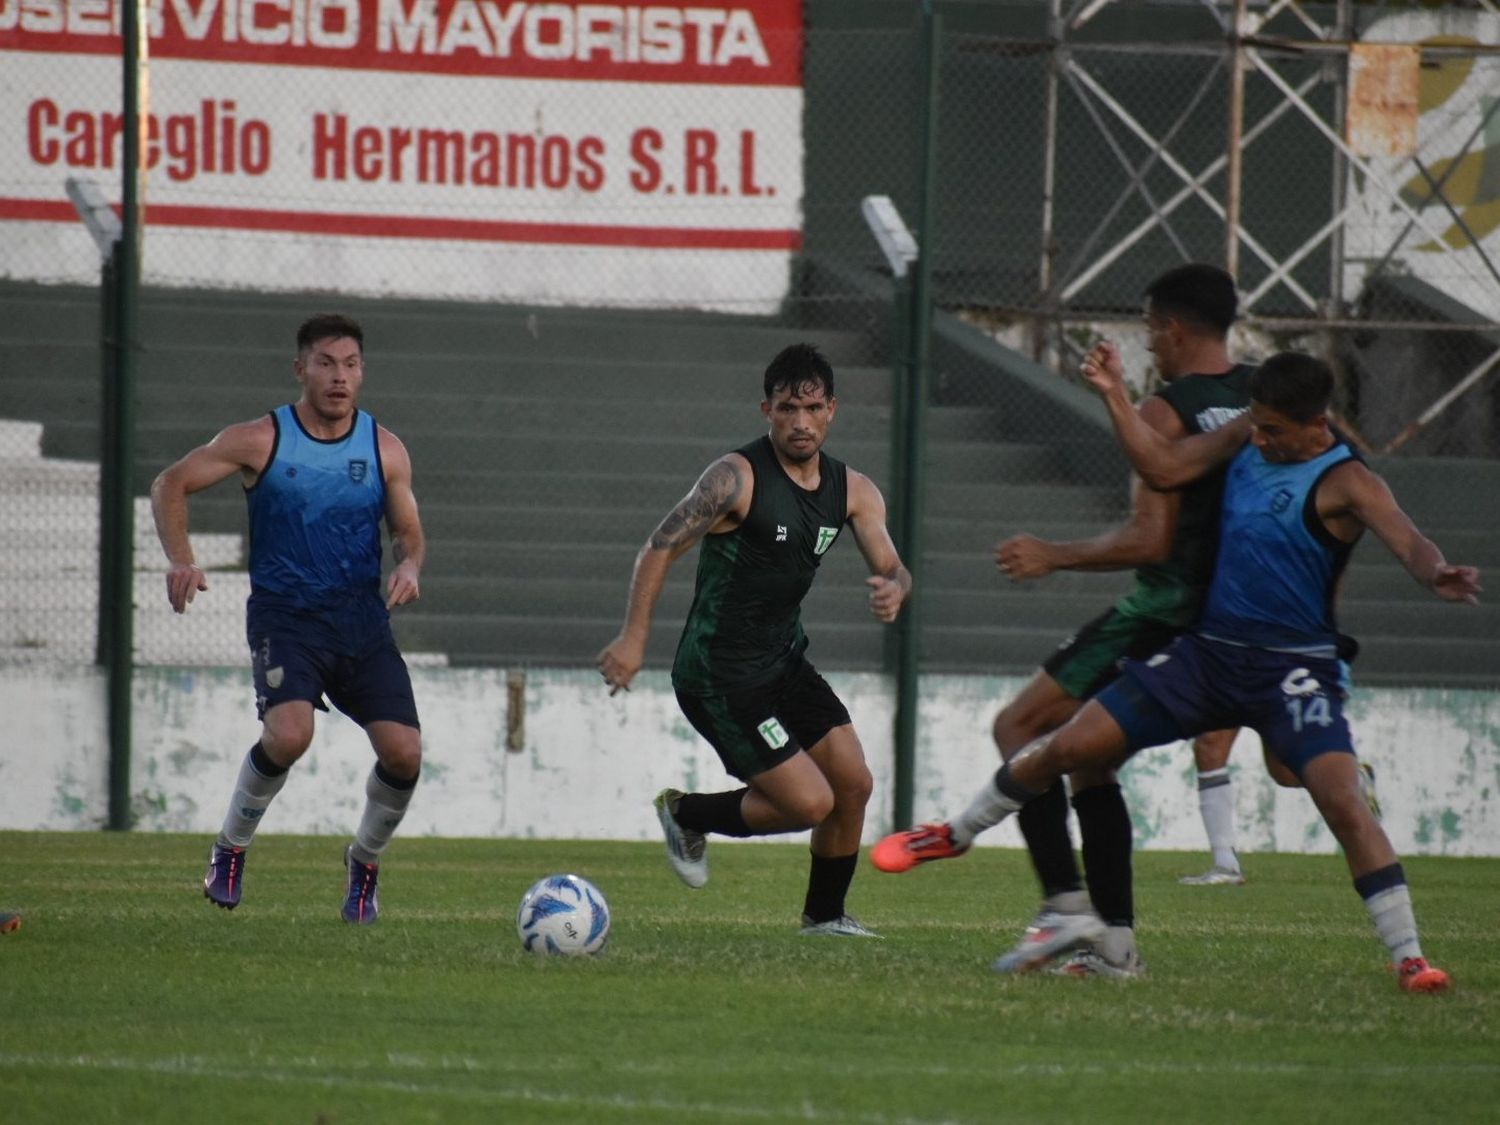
[127,998]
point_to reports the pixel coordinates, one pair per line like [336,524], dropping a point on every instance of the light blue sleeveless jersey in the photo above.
[315,516]
[1277,564]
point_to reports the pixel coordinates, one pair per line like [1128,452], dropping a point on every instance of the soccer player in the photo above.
[1169,539]
[766,514]
[319,475]
[1264,651]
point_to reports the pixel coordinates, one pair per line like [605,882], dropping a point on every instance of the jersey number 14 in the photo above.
[1310,711]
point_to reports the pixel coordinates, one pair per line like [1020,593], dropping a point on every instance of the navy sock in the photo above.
[261,762]
[400,784]
[1380,880]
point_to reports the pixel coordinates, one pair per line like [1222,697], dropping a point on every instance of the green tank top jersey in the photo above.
[745,624]
[1172,591]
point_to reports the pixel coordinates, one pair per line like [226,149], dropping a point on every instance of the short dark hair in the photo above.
[329,326]
[1197,294]
[796,367]
[1295,384]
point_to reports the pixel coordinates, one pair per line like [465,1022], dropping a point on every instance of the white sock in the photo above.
[253,791]
[1395,922]
[988,808]
[1216,803]
[1117,945]
[385,806]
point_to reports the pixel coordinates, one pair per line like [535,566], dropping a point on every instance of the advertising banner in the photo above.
[626,153]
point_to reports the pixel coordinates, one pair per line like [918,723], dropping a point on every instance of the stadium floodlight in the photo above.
[896,242]
[97,215]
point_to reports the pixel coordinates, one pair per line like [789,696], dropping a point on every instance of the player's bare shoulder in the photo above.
[1156,413]
[255,435]
[246,446]
[1354,490]
[718,500]
[724,488]
[864,498]
[394,458]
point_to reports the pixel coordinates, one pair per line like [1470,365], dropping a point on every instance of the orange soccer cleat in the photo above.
[901,851]
[1416,975]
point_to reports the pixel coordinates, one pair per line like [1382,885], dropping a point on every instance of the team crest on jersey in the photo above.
[357,470]
[1281,500]
[826,536]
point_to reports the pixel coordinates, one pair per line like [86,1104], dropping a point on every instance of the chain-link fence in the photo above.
[627,209]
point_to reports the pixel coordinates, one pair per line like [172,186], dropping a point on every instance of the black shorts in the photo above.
[1091,658]
[756,729]
[372,687]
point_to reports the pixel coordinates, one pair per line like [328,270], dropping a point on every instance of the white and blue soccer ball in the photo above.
[563,915]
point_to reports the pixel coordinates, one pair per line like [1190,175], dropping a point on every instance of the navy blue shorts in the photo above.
[372,687]
[1295,703]
[758,728]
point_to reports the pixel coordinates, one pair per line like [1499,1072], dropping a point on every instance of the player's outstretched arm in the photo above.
[242,448]
[718,501]
[1146,537]
[1365,496]
[1162,462]
[408,543]
[889,581]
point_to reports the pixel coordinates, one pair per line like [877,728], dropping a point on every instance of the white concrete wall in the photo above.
[589,765]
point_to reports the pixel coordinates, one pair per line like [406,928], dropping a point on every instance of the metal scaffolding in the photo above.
[1257,51]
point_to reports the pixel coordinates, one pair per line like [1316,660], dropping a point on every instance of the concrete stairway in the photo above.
[49,572]
[547,443]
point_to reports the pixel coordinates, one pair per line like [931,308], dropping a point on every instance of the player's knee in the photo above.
[286,741]
[402,757]
[1070,756]
[810,808]
[854,789]
[1011,732]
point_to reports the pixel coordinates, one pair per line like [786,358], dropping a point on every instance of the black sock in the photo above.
[261,762]
[1044,824]
[718,813]
[827,883]
[1104,824]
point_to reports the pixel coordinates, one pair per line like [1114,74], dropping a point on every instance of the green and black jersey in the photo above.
[745,624]
[1171,591]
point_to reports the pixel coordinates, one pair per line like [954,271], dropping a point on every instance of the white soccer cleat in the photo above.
[1112,956]
[1050,934]
[1215,877]
[1092,963]
[842,926]
[687,851]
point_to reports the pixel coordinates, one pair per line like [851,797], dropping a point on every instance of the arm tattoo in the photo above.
[714,494]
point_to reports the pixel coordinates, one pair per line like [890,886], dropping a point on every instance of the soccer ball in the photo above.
[563,914]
